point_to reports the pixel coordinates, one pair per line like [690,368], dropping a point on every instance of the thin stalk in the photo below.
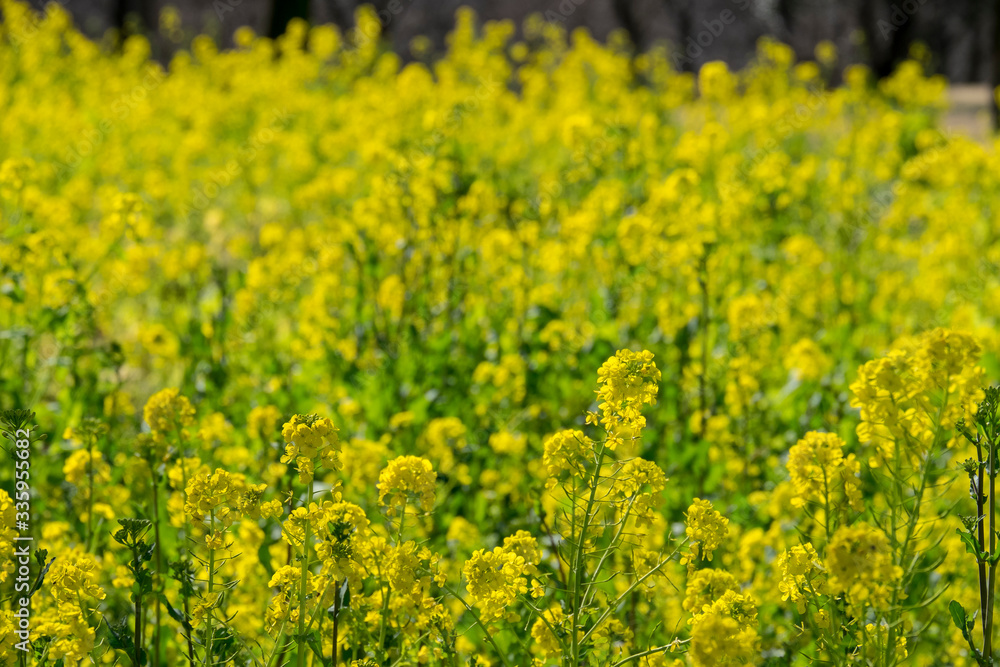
[590,593]
[300,655]
[652,651]
[555,550]
[184,481]
[384,621]
[703,376]
[137,634]
[210,621]
[281,656]
[578,573]
[541,616]
[159,565]
[635,584]
[280,642]
[982,535]
[190,642]
[90,490]
[336,620]
[991,594]
[475,616]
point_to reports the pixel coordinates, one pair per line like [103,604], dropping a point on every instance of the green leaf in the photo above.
[312,638]
[118,637]
[971,545]
[174,613]
[958,615]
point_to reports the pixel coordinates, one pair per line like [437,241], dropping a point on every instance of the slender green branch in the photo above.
[300,639]
[475,616]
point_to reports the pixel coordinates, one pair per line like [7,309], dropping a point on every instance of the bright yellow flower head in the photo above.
[706,528]
[495,579]
[166,411]
[407,479]
[822,475]
[311,440]
[861,565]
[626,382]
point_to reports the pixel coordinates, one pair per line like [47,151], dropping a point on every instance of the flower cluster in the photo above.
[407,479]
[920,388]
[638,487]
[496,578]
[73,583]
[725,632]
[706,528]
[166,411]
[802,574]
[821,474]
[861,565]
[568,451]
[311,440]
[225,498]
[626,382]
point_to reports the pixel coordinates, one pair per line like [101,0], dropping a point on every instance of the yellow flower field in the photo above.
[537,353]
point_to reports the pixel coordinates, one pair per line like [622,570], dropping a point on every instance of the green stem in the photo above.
[703,376]
[159,565]
[991,593]
[211,588]
[578,573]
[90,491]
[137,634]
[982,535]
[384,621]
[336,620]
[475,616]
[635,584]
[300,639]
[652,651]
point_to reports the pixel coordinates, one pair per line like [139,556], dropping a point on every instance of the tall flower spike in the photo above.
[626,382]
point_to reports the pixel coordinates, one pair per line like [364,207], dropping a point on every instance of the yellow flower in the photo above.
[566,451]
[407,479]
[495,579]
[803,575]
[626,382]
[311,440]
[807,360]
[725,632]
[506,442]
[541,630]
[861,565]
[821,474]
[166,411]
[706,586]
[706,529]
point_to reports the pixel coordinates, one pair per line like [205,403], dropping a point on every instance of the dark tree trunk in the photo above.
[283,11]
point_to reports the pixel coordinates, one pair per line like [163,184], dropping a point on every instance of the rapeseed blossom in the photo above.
[437,255]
